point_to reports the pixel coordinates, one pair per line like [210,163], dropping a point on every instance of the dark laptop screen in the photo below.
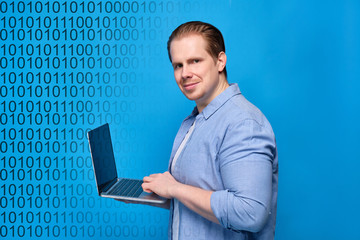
[102,155]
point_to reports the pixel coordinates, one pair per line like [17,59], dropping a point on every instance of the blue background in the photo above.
[299,62]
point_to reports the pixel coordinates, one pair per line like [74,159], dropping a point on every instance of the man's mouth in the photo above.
[189,86]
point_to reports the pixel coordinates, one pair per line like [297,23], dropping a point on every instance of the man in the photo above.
[223,170]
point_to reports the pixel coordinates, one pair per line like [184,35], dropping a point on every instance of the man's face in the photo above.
[196,72]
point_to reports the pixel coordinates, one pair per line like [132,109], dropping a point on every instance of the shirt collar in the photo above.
[219,100]
[193,114]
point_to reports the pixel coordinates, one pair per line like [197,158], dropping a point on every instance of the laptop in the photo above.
[107,181]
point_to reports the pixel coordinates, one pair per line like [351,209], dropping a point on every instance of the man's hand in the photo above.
[162,184]
[165,185]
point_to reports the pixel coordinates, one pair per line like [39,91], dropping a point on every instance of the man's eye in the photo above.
[177,66]
[196,60]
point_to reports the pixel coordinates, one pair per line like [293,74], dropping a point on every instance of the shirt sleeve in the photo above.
[246,156]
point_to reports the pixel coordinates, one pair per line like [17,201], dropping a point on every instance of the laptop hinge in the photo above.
[106,186]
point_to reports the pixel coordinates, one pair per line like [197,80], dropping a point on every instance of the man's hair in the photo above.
[212,36]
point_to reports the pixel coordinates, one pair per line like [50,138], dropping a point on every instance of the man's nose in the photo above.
[186,72]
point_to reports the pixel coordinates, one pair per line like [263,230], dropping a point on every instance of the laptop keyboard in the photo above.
[127,188]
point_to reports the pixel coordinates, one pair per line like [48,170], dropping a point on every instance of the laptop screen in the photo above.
[102,156]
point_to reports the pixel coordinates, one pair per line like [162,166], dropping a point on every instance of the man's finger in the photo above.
[145,188]
[146,179]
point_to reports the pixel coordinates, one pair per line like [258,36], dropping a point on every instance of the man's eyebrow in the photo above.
[194,58]
[175,63]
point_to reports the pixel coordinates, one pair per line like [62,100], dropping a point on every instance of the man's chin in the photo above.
[191,97]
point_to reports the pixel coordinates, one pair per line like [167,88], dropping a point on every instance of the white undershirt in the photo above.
[175,222]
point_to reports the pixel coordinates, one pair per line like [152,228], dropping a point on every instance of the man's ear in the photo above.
[221,61]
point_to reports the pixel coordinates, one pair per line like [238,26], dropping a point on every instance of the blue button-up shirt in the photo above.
[232,151]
